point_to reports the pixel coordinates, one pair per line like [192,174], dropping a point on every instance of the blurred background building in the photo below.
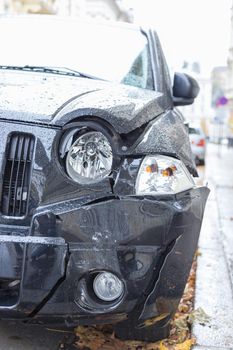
[201,112]
[101,9]
[230,80]
[218,128]
[27,6]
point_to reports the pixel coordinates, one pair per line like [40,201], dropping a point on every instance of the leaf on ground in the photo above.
[199,316]
[153,320]
[181,323]
[186,345]
[162,346]
[89,337]
[97,339]
[198,253]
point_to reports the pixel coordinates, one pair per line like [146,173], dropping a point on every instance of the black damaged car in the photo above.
[99,211]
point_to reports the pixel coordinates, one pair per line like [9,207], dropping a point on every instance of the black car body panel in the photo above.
[125,108]
[57,100]
[56,234]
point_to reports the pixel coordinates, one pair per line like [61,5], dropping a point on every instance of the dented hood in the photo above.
[57,99]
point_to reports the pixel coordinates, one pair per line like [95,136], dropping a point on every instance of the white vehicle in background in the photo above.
[198,144]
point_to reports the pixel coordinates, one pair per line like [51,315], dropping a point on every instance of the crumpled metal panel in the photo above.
[163,299]
[140,243]
[136,265]
[37,263]
[111,222]
[58,100]
[167,134]
[125,108]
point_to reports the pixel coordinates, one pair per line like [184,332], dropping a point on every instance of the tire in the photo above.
[201,161]
[127,331]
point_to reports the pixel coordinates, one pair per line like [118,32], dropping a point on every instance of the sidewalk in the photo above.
[214,285]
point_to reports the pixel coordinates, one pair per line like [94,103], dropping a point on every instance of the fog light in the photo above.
[107,286]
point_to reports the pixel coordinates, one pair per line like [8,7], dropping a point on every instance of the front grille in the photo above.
[16,180]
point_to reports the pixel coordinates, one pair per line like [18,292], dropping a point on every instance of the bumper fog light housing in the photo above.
[108,287]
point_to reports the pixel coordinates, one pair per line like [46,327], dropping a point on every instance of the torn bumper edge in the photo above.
[154,270]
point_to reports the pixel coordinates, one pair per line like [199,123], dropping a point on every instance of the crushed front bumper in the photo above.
[47,270]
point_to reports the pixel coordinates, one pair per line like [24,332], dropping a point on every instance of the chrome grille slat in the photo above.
[23,177]
[18,149]
[16,181]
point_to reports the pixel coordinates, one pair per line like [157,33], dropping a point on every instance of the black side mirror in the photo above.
[185,89]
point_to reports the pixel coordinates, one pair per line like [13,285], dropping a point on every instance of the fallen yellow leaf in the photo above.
[153,320]
[186,345]
[162,346]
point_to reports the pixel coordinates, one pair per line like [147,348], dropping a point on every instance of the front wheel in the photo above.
[127,331]
[201,162]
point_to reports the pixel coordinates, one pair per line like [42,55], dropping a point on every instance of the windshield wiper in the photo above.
[81,74]
[52,70]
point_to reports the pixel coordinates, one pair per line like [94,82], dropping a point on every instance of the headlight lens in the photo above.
[89,158]
[162,175]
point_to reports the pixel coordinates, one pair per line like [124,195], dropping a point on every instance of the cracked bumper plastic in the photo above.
[148,242]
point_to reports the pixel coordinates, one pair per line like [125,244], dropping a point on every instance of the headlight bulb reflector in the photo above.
[89,158]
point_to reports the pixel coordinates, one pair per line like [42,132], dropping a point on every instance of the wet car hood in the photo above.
[57,99]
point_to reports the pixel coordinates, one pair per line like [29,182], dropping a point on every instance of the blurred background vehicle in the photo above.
[198,144]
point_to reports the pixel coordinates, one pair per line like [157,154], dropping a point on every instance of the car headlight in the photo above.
[89,158]
[162,175]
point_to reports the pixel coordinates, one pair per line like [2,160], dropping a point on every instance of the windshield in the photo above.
[115,53]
